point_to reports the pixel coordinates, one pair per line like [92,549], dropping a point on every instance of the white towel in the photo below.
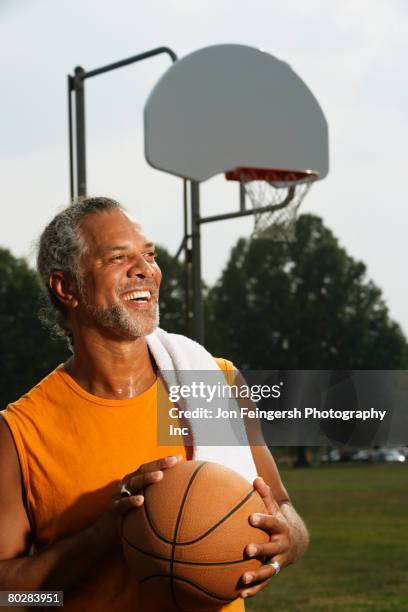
[177,357]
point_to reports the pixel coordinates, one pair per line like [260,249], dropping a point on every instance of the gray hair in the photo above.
[60,247]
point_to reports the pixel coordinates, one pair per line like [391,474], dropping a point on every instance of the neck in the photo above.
[112,368]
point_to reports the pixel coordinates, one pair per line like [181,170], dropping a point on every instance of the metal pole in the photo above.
[187,263]
[80,130]
[70,137]
[76,84]
[246,213]
[132,60]
[196,248]
[242,197]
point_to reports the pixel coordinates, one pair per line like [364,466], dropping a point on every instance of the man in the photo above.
[88,430]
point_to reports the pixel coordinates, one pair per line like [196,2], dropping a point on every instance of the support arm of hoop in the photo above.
[257,211]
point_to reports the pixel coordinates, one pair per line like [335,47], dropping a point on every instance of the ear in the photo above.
[64,288]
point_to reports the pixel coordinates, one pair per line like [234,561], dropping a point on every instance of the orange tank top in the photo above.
[73,447]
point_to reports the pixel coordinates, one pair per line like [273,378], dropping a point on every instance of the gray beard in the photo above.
[117,318]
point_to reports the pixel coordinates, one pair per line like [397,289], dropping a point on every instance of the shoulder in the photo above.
[228,368]
[225,364]
[45,388]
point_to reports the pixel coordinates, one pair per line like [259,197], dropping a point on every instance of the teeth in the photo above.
[137,295]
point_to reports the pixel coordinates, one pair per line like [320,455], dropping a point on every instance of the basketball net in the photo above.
[281,189]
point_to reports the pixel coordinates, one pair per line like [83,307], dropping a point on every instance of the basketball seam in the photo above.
[176,527]
[153,528]
[223,519]
[188,582]
[220,522]
[206,563]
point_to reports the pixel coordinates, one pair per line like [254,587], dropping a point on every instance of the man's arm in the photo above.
[288,534]
[61,565]
[268,470]
[299,534]
[275,495]
[289,537]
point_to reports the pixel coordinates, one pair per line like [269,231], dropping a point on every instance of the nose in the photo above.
[140,268]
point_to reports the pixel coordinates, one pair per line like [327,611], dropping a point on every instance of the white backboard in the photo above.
[231,105]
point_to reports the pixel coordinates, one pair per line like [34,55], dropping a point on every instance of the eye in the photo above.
[118,258]
[151,255]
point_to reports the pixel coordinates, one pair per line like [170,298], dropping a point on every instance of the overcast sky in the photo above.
[351,53]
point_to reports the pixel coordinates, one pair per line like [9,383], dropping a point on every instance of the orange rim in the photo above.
[270,175]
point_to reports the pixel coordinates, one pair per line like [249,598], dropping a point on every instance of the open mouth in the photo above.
[140,297]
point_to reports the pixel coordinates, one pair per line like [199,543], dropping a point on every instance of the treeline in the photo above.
[300,305]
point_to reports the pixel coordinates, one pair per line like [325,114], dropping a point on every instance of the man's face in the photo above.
[119,277]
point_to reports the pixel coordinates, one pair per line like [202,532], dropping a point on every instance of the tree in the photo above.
[301,305]
[27,350]
[172,293]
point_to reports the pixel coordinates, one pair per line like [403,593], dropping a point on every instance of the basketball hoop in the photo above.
[281,191]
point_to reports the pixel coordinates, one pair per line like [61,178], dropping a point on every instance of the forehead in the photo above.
[110,228]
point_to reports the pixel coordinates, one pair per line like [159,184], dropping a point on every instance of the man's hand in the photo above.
[108,526]
[280,548]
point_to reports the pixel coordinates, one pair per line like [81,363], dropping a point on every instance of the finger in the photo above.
[153,466]
[251,591]
[257,580]
[122,506]
[149,473]
[121,491]
[139,482]
[265,492]
[254,577]
[159,464]
[267,550]
[270,523]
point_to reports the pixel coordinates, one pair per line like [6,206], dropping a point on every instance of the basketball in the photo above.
[186,544]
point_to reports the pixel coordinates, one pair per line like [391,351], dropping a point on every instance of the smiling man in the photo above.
[86,435]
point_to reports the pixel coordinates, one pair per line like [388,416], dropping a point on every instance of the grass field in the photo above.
[358,555]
